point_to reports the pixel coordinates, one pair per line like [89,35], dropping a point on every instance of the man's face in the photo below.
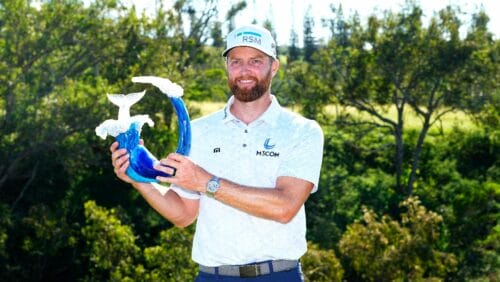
[250,73]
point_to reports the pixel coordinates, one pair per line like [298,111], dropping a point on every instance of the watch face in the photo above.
[213,185]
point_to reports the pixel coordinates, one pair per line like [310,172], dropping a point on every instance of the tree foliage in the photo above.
[390,250]
[396,62]
[114,255]
[310,44]
[58,59]
[321,265]
[112,248]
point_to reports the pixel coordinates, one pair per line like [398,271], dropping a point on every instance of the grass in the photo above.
[204,108]
[412,121]
[450,121]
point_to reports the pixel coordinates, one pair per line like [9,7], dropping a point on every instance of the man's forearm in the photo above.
[168,204]
[279,204]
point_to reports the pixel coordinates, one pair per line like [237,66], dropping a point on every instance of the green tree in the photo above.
[293,48]
[232,12]
[386,250]
[57,61]
[321,265]
[45,148]
[170,260]
[310,44]
[397,62]
[113,252]
[339,27]
[5,223]
[216,35]
[36,42]
[300,86]
[111,245]
[464,165]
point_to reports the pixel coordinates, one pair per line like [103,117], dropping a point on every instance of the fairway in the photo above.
[450,121]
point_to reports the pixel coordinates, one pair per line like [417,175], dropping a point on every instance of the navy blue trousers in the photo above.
[292,275]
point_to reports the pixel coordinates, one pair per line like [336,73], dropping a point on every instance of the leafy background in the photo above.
[409,185]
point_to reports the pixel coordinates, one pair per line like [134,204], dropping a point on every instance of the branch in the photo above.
[12,167]
[400,89]
[439,115]
[25,187]
[413,103]
[366,107]
[374,124]
[202,22]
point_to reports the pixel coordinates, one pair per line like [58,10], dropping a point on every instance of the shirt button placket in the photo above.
[245,138]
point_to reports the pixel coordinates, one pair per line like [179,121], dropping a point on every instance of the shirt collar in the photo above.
[270,116]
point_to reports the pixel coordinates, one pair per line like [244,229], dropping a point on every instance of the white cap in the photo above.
[252,36]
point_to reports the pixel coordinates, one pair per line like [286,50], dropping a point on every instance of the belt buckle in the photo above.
[249,270]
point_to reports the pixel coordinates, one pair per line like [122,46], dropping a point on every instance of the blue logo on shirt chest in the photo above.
[268,145]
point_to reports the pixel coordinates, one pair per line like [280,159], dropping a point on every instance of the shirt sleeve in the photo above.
[306,155]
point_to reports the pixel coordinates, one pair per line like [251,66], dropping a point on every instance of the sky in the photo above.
[286,15]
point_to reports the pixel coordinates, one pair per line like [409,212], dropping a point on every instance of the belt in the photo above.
[251,270]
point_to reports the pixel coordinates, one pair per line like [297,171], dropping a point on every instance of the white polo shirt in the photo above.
[279,143]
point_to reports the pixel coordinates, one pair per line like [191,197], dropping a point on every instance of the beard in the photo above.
[251,94]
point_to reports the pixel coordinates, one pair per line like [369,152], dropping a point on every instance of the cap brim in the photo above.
[224,54]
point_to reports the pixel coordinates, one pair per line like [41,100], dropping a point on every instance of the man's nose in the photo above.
[245,67]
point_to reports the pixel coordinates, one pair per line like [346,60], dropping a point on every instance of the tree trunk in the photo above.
[398,136]
[416,155]
[399,157]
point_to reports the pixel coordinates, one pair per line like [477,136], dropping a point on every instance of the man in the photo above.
[252,166]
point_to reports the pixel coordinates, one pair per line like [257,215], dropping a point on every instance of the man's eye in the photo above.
[235,63]
[256,62]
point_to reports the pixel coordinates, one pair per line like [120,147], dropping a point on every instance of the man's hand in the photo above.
[171,206]
[188,175]
[120,162]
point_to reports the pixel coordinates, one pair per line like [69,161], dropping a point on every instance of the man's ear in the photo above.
[275,66]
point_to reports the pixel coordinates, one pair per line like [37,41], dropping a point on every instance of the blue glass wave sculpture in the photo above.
[127,129]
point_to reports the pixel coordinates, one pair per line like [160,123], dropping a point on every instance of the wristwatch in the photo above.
[213,186]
